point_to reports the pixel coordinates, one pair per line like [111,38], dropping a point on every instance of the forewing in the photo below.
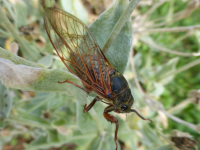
[76,47]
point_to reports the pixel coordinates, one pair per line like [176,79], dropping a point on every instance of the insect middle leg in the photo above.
[112,119]
[87,108]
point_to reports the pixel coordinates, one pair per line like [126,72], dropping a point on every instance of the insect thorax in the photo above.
[120,89]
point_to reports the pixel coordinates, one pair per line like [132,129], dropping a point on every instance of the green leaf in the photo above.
[59,122]
[94,143]
[2,125]
[101,28]
[5,102]
[38,79]
[149,136]
[105,142]
[27,50]
[46,61]
[16,59]
[124,133]
[34,120]
[52,136]
[21,13]
[75,8]
[38,143]
[48,139]
[84,121]
[159,89]
[165,69]
[166,147]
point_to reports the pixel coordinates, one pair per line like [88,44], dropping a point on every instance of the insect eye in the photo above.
[124,107]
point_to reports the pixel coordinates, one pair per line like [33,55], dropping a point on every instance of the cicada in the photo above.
[80,53]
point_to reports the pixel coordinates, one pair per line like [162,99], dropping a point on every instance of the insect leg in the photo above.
[112,119]
[67,81]
[87,108]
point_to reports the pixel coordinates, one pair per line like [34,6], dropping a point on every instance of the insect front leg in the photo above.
[87,108]
[112,119]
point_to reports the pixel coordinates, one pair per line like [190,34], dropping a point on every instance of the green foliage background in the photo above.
[167,90]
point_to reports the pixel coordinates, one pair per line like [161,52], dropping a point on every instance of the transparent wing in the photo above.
[77,48]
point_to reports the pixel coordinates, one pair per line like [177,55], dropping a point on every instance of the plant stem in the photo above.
[102,140]
[134,74]
[174,29]
[153,45]
[16,36]
[23,121]
[149,12]
[36,106]
[4,34]
[181,105]
[181,69]
[120,24]
[187,124]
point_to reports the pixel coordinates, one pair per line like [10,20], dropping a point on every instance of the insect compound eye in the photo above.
[124,107]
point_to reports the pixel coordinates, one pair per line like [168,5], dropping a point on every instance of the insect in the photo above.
[78,50]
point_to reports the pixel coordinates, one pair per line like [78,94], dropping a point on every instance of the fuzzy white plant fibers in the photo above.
[17,76]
